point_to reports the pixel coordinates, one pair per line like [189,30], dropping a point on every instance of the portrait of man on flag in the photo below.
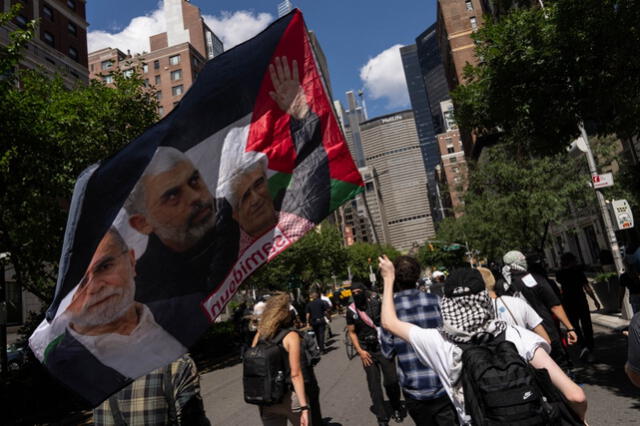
[161,235]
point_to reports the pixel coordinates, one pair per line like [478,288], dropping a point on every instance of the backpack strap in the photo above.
[167,388]
[508,310]
[118,418]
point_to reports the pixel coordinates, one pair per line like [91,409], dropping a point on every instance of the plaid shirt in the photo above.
[417,380]
[143,402]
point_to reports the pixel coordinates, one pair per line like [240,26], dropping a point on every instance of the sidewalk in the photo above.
[613,321]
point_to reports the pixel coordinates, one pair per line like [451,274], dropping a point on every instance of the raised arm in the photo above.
[389,318]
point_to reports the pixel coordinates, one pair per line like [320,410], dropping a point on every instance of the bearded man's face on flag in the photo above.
[107,290]
[173,202]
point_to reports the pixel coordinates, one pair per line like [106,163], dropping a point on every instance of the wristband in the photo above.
[304,407]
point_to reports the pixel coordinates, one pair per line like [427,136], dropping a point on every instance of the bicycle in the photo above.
[348,345]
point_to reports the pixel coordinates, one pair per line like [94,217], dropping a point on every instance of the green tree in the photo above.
[360,254]
[316,257]
[50,133]
[439,254]
[511,202]
[542,71]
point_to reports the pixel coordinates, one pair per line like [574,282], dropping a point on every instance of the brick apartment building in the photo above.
[174,60]
[60,42]
[453,167]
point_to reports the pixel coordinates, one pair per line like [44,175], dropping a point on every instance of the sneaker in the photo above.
[397,416]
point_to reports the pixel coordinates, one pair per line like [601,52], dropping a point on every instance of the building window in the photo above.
[176,75]
[105,65]
[91,67]
[176,103]
[450,150]
[49,38]
[71,4]
[457,179]
[108,79]
[453,160]
[128,73]
[474,23]
[159,95]
[73,53]
[145,68]
[22,21]
[72,28]
[156,64]
[456,170]
[161,111]
[176,90]
[157,80]
[174,60]
[51,61]
[469,5]
[146,82]
[48,12]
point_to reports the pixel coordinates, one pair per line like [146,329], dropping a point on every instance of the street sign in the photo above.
[622,215]
[602,181]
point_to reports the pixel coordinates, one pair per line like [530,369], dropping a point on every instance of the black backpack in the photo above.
[500,388]
[264,371]
[310,348]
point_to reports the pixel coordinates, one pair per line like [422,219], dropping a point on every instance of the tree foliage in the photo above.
[542,71]
[361,255]
[50,133]
[439,255]
[511,202]
[316,257]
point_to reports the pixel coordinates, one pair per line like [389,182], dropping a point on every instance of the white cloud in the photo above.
[231,27]
[383,77]
[234,28]
[134,37]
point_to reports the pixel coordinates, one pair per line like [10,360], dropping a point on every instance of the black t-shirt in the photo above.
[539,294]
[367,335]
[317,309]
[573,281]
[630,281]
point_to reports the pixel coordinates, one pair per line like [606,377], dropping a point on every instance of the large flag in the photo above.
[161,235]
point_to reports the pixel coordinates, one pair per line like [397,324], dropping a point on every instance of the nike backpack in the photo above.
[501,388]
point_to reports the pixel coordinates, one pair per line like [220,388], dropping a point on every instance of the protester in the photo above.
[512,310]
[424,395]
[437,283]
[112,336]
[167,396]
[363,321]
[632,367]
[540,296]
[630,280]
[276,320]
[467,314]
[315,313]
[329,304]
[574,286]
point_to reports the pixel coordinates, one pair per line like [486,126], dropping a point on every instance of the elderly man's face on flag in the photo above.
[107,289]
[253,207]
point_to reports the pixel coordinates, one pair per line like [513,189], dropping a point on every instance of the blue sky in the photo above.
[360,38]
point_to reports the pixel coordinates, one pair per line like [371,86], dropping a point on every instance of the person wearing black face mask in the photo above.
[363,322]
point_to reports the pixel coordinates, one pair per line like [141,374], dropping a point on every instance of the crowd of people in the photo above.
[434,350]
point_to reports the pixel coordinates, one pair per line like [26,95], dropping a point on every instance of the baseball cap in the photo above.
[463,282]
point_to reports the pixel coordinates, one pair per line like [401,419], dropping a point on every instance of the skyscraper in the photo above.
[427,87]
[176,56]
[284,7]
[391,148]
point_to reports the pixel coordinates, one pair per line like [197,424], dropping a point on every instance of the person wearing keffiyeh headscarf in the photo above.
[539,294]
[468,316]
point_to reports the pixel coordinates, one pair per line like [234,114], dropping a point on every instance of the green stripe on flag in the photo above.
[341,192]
[278,182]
[52,346]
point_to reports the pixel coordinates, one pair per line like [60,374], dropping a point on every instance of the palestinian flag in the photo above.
[161,235]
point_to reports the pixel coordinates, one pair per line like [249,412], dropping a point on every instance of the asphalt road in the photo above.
[345,399]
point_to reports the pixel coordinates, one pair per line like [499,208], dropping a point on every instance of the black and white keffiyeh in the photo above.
[466,316]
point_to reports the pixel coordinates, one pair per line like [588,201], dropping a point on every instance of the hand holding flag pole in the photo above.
[289,94]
